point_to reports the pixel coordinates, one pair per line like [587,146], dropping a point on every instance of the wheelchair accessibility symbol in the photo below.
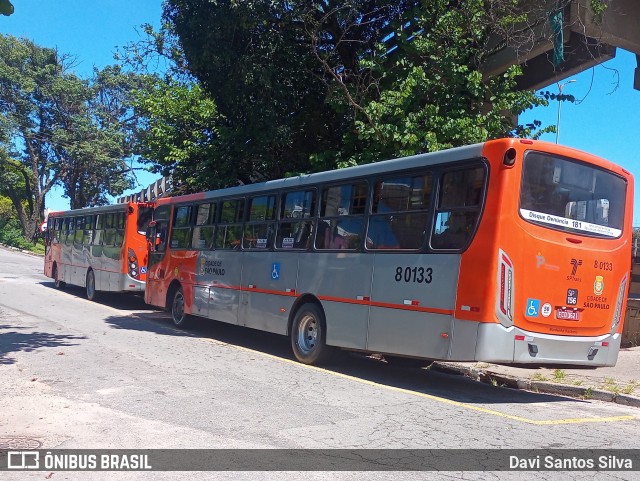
[275,271]
[533,307]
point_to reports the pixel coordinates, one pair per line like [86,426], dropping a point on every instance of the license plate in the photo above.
[567,315]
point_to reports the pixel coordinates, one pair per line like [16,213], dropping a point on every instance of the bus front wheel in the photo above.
[180,319]
[309,335]
[92,294]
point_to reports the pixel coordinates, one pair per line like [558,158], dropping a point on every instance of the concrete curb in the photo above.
[22,251]
[582,392]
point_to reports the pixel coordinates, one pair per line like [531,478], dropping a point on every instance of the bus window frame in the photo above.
[240,215]
[363,216]
[480,208]
[210,223]
[271,224]
[188,227]
[427,212]
[312,219]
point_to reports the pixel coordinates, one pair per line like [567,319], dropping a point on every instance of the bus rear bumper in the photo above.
[130,284]
[497,343]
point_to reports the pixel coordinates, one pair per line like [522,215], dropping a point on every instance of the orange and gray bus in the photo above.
[99,248]
[508,251]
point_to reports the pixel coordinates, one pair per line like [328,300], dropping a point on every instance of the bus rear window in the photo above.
[572,196]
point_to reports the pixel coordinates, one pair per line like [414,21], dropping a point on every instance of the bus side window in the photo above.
[228,234]
[295,227]
[259,229]
[460,199]
[202,236]
[342,217]
[399,212]
[181,229]
[160,244]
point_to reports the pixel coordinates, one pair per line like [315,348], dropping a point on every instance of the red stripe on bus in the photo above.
[433,310]
[343,300]
[268,291]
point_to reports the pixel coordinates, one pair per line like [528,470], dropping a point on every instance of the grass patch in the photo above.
[559,375]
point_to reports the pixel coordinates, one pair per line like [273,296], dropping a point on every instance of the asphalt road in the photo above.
[115,374]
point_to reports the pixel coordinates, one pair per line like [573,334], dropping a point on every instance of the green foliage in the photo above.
[93,139]
[254,60]
[58,129]
[11,234]
[305,86]
[430,93]
[6,8]
[598,8]
[6,209]
[179,129]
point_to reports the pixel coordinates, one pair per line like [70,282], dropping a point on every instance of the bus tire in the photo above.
[90,286]
[179,318]
[309,334]
[57,283]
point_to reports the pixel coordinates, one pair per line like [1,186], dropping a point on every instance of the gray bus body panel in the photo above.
[274,272]
[413,281]
[221,273]
[341,280]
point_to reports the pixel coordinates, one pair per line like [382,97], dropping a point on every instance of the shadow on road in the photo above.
[28,342]
[117,300]
[360,366]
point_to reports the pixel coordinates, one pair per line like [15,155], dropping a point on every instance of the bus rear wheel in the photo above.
[180,319]
[309,335]
[90,284]
[56,278]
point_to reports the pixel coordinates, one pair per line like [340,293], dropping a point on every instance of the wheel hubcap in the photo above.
[91,285]
[307,334]
[178,308]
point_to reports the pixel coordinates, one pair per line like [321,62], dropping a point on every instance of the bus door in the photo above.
[157,269]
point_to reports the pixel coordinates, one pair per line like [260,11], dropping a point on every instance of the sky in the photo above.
[604,121]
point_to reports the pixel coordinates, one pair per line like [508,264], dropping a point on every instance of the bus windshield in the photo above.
[568,195]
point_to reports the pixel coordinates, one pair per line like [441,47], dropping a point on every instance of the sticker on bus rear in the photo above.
[533,307]
[570,223]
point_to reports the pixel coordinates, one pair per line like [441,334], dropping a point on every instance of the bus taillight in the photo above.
[132,264]
[504,304]
[617,314]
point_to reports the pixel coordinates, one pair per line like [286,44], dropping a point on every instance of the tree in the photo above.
[305,86]
[6,8]
[56,129]
[253,59]
[417,85]
[180,130]
[97,135]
